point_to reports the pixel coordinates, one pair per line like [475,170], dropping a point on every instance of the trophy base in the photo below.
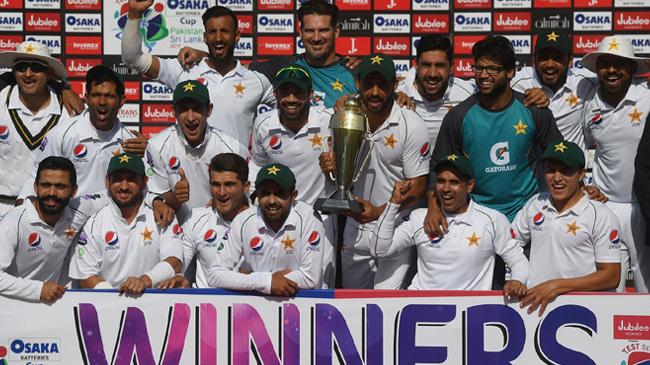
[338,206]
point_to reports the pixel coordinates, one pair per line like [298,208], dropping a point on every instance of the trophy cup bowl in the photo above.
[349,132]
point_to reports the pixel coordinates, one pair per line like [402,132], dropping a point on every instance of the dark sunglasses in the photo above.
[36,67]
[298,73]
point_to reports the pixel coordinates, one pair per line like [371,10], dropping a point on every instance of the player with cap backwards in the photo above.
[401,152]
[38,235]
[121,246]
[279,242]
[28,111]
[180,155]
[295,135]
[94,136]
[575,244]
[613,120]
[235,91]
[463,258]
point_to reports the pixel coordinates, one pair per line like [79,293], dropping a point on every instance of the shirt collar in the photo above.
[88,130]
[466,217]
[392,120]
[204,68]
[183,140]
[142,211]
[311,124]
[418,97]
[35,219]
[290,222]
[52,107]
[630,97]
[576,209]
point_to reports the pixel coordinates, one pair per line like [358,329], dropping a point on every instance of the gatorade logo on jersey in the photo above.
[111,240]
[256,244]
[425,152]
[313,240]
[80,151]
[500,156]
[4,132]
[174,163]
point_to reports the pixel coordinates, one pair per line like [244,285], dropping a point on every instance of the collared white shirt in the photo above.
[110,247]
[566,103]
[88,148]
[16,158]
[275,143]
[462,259]
[204,233]
[168,151]
[235,95]
[32,251]
[432,112]
[567,244]
[297,246]
[616,132]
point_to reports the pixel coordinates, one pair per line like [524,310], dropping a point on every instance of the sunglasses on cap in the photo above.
[298,72]
[36,67]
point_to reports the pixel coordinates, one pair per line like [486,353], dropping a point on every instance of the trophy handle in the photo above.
[326,148]
[366,159]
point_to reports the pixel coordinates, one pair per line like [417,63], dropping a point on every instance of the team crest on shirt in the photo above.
[314,241]
[425,152]
[538,220]
[34,242]
[275,143]
[4,132]
[111,240]
[256,243]
[80,152]
[434,241]
[174,163]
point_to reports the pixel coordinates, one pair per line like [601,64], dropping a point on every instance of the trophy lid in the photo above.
[351,117]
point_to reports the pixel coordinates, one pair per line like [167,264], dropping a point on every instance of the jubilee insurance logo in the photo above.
[153,27]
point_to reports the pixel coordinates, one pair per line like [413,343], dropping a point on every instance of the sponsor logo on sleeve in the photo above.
[590,21]
[518,22]
[632,20]
[473,22]
[392,46]
[83,23]
[53,42]
[83,45]
[353,46]
[12,22]
[392,5]
[392,23]
[269,46]
[430,23]
[42,22]
[244,48]
[42,4]
[83,5]
[430,5]
[353,4]
[512,4]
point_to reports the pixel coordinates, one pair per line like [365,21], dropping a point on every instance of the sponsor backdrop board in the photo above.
[324,327]
[87,32]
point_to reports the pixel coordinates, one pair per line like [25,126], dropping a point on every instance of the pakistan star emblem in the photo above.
[520,128]
[124,159]
[473,239]
[560,147]
[239,89]
[287,243]
[273,170]
[390,141]
[635,116]
[316,140]
[337,85]
[572,100]
[188,87]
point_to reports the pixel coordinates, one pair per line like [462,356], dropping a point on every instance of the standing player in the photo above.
[567,89]
[179,156]
[401,152]
[121,246]
[28,111]
[613,120]
[38,234]
[574,241]
[462,259]
[279,241]
[94,136]
[235,91]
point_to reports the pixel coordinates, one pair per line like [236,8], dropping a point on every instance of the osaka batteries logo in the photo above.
[153,27]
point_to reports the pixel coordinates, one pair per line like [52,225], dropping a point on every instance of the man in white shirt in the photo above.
[121,246]
[613,121]
[235,91]
[462,258]
[38,235]
[575,244]
[279,242]
[567,88]
[90,139]
[179,156]
[28,111]
[401,152]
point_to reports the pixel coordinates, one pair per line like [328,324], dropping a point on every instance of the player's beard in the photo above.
[135,200]
[61,204]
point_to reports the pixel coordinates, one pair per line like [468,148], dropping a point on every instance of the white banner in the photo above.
[324,327]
